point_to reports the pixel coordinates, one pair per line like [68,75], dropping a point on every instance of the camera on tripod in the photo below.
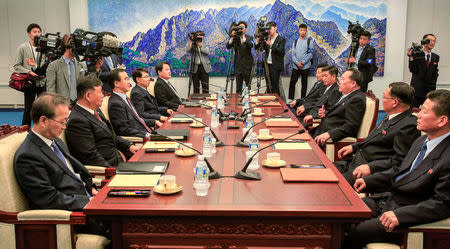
[262,31]
[417,49]
[197,36]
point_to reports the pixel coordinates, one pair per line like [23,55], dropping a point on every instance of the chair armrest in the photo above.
[442,224]
[95,169]
[344,140]
[134,139]
[44,216]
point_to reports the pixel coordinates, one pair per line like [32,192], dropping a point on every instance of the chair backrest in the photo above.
[13,200]
[104,107]
[370,115]
[151,88]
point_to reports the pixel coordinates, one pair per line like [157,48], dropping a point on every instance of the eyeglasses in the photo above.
[384,97]
[60,122]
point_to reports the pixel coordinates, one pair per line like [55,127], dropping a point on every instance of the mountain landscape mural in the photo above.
[167,40]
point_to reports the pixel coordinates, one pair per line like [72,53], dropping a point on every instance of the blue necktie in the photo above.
[415,163]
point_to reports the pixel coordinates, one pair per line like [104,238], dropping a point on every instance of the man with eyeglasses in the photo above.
[389,142]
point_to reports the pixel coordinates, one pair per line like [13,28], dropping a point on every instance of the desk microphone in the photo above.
[218,142]
[258,105]
[212,173]
[241,142]
[255,175]
[249,91]
[223,117]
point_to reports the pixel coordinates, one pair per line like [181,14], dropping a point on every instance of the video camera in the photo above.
[49,45]
[355,29]
[239,30]
[93,46]
[197,36]
[417,49]
[262,31]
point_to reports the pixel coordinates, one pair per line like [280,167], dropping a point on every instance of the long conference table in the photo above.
[236,212]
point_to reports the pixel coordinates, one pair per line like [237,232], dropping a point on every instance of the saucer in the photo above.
[182,154]
[197,126]
[278,164]
[258,114]
[266,137]
[161,190]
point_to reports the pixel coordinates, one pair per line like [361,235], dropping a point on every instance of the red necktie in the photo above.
[428,60]
[139,118]
[98,116]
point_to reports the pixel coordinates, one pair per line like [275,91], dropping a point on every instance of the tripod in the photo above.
[230,70]
[352,51]
[259,68]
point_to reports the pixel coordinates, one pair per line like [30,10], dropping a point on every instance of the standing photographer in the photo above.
[424,69]
[243,61]
[199,66]
[274,46]
[26,62]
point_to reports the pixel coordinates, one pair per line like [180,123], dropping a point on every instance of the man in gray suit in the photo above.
[62,74]
[200,65]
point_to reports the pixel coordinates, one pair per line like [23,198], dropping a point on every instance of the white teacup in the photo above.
[264,132]
[257,110]
[273,157]
[168,181]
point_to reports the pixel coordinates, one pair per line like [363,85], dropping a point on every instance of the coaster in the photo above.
[278,164]
[265,138]
[181,153]
[165,191]
[197,126]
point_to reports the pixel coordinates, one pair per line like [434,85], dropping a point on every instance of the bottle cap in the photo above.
[207,128]
[201,157]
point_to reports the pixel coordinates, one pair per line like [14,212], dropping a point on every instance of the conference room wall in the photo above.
[406,22]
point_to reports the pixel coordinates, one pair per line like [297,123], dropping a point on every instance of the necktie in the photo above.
[73,82]
[342,97]
[109,62]
[428,60]
[98,116]
[137,116]
[383,121]
[418,160]
[174,90]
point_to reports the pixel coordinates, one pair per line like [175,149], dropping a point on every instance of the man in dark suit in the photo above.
[344,118]
[89,135]
[146,105]
[242,45]
[418,189]
[123,115]
[424,70]
[49,176]
[328,98]
[364,60]
[298,105]
[165,92]
[109,63]
[274,47]
[387,144]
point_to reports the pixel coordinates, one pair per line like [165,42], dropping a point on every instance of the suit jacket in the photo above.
[203,55]
[45,179]
[243,56]
[165,95]
[421,196]
[386,146]
[146,105]
[277,52]
[312,96]
[328,99]
[367,65]
[105,69]
[123,120]
[424,78]
[344,118]
[93,142]
[58,76]
[20,63]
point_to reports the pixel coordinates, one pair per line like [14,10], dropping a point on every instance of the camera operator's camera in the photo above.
[355,29]
[239,30]
[262,31]
[417,49]
[197,36]
[50,46]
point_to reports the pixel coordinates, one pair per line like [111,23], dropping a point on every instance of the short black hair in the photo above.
[160,66]
[322,65]
[86,83]
[332,70]
[302,26]
[32,26]
[114,76]
[271,24]
[45,105]
[425,36]
[366,33]
[403,92]
[441,99]
[356,76]
[242,22]
[137,73]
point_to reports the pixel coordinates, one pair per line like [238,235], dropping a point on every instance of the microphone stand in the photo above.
[223,117]
[219,143]
[241,142]
[212,173]
[243,174]
[244,112]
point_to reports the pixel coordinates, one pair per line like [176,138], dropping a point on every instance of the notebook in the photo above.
[272,123]
[177,134]
[142,167]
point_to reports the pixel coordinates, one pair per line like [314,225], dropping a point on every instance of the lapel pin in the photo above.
[430,171]
[384,132]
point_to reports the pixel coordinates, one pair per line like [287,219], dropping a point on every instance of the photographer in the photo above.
[243,61]
[274,47]
[199,66]
[25,62]
[364,59]
[424,68]
[62,74]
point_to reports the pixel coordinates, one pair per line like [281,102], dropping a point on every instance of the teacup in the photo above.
[185,149]
[257,110]
[264,132]
[168,181]
[273,157]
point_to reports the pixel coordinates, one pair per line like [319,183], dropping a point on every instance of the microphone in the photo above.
[251,90]
[255,175]
[218,142]
[258,105]
[241,142]
[222,116]
[212,173]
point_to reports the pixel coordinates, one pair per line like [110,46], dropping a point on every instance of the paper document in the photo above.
[292,146]
[160,145]
[145,180]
